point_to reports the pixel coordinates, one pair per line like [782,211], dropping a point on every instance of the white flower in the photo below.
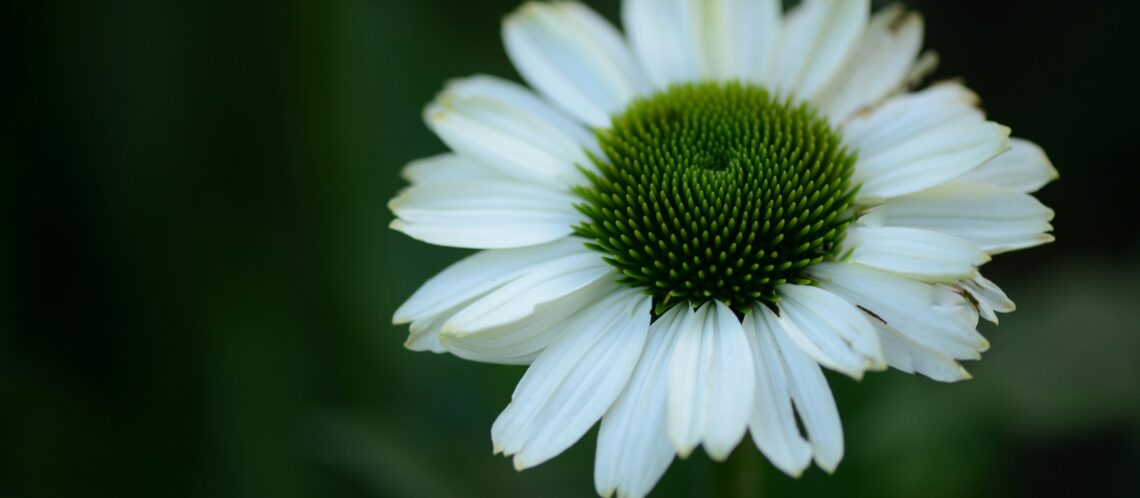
[687,222]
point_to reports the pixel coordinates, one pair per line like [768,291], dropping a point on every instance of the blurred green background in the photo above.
[198,279]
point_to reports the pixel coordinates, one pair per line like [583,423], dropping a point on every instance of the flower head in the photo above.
[685,224]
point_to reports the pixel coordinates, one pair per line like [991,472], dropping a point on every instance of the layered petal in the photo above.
[518,299]
[1024,168]
[879,66]
[520,341]
[993,218]
[689,40]
[988,297]
[710,383]
[916,141]
[906,354]
[423,334]
[814,403]
[509,130]
[476,275]
[575,58]
[804,383]
[575,380]
[920,254]
[633,443]
[830,330]
[933,316]
[773,422]
[816,39]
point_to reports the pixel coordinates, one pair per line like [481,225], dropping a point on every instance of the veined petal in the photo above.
[689,40]
[575,380]
[830,330]
[484,214]
[1024,168]
[917,141]
[633,443]
[816,39]
[574,57]
[711,383]
[988,296]
[518,299]
[995,219]
[879,66]
[511,131]
[773,422]
[919,254]
[520,342]
[932,316]
[478,274]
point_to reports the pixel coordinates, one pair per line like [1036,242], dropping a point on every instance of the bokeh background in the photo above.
[198,277]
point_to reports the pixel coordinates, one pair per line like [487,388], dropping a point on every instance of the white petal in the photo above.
[905,354]
[575,380]
[1024,168]
[879,66]
[661,33]
[813,400]
[773,422]
[919,254]
[830,330]
[446,168]
[920,140]
[931,315]
[476,275]
[817,38]
[740,38]
[633,443]
[906,116]
[423,334]
[484,214]
[511,131]
[574,57]
[929,160]
[711,383]
[520,342]
[689,40]
[518,299]
[989,297]
[994,219]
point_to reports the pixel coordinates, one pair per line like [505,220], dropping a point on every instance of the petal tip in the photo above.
[718,454]
[400,317]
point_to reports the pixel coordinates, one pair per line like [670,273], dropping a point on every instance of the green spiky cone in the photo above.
[717,191]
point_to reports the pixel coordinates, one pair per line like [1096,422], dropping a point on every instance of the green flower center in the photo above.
[717,191]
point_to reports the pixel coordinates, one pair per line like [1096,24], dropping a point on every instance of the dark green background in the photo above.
[198,279]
